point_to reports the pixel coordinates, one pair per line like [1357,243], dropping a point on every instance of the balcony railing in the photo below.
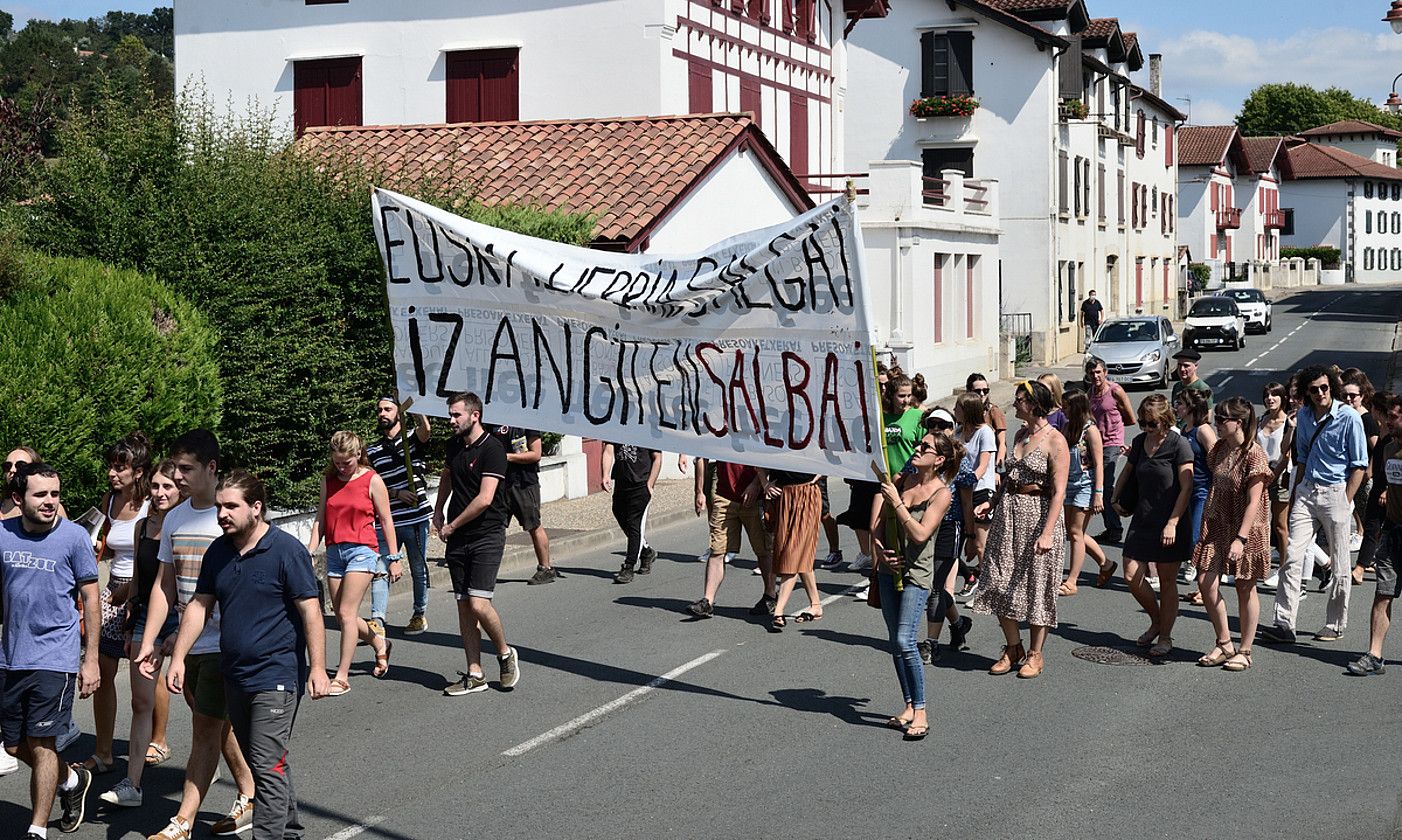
[1229,218]
[890,185]
[1275,219]
[832,184]
[935,191]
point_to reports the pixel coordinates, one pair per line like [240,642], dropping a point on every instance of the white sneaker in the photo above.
[1355,541]
[1229,580]
[730,557]
[8,763]
[1321,557]
[1190,574]
[703,556]
[860,563]
[1272,580]
[1153,583]
[124,794]
[755,571]
[861,593]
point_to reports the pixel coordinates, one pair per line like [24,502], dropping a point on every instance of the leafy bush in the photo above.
[92,353]
[1328,256]
[277,249]
[1200,273]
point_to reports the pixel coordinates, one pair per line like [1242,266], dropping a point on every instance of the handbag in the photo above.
[1128,497]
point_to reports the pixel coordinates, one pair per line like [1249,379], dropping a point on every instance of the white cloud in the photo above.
[1221,67]
[1208,112]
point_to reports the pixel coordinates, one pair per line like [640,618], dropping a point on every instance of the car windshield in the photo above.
[1209,307]
[1245,295]
[1123,332]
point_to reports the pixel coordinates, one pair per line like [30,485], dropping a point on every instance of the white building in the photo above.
[370,62]
[1364,139]
[1346,201]
[1259,189]
[1084,159]
[1211,162]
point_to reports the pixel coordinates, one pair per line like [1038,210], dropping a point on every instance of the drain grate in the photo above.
[1110,656]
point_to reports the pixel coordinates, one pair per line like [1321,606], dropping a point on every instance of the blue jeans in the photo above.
[904,611]
[413,539]
[1195,510]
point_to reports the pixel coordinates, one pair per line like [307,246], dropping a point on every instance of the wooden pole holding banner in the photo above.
[404,434]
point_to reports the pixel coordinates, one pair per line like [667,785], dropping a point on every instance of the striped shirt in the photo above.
[185,534]
[387,457]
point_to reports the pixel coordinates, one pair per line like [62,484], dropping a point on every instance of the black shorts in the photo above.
[1386,561]
[823,490]
[858,513]
[473,563]
[523,504]
[36,704]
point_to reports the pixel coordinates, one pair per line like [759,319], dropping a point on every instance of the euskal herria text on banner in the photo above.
[757,350]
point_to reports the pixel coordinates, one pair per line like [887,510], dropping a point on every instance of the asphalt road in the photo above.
[751,734]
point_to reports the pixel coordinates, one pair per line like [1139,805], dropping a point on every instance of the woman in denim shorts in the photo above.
[1085,494]
[353,498]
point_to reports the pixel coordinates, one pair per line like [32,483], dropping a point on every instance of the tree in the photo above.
[1289,108]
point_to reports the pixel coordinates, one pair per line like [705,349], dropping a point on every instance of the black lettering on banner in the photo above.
[799,389]
[769,439]
[636,288]
[846,269]
[416,350]
[589,415]
[463,260]
[448,352]
[504,327]
[813,259]
[830,397]
[661,384]
[720,386]
[564,381]
[775,283]
[418,248]
[737,383]
[686,417]
[623,383]
[750,271]
[385,211]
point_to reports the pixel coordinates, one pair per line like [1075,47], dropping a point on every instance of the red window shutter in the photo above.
[1139,137]
[798,134]
[1228,237]
[939,298]
[806,25]
[759,10]
[1215,200]
[1165,280]
[749,97]
[786,21]
[1168,145]
[483,85]
[326,92]
[699,88]
[1139,282]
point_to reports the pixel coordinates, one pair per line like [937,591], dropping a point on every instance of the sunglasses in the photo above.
[1220,419]
[924,449]
[1149,427]
[1352,395]
[980,391]
[1317,389]
[12,465]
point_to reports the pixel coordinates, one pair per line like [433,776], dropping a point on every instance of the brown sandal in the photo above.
[382,660]
[1106,573]
[1066,590]
[1237,665]
[1217,655]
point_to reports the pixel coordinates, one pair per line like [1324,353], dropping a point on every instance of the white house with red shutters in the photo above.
[1212,161]
[1083,157]
[1259,189]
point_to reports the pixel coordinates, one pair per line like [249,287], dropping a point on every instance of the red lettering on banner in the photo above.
[799,389]
[720,385]
[830,397]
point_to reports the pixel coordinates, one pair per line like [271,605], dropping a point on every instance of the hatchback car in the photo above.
[1215,321]
[1255,307]
[1136,351]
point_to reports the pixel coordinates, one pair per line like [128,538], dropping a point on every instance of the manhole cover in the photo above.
[1110,656]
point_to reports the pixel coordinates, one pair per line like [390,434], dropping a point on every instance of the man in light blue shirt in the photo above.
[1331,456]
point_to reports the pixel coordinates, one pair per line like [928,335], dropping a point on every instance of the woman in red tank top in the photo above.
[353,498]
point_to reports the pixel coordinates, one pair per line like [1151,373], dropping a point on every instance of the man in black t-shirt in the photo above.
[475,532]
[523,451]
[1091,310]
[630,472]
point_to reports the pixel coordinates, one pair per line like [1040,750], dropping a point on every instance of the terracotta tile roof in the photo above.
[1261,152]
[1016,6]
[1100,30]
[1131,41]
[1352,127]
[1009,18]
[1306,161]
[628,172]
[1204,145]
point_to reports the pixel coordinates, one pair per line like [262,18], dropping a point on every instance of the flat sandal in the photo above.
[1236,666]
[1217,655]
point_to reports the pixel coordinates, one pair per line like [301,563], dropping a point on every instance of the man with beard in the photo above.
[408,507]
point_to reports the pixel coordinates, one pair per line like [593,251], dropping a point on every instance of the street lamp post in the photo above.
[1394,16]
[1393,103]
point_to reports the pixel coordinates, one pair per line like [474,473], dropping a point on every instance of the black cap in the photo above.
[1189,354]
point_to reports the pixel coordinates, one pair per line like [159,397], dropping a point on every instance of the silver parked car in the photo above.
[1136,351]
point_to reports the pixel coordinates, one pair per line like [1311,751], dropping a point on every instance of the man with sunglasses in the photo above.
[1331,455]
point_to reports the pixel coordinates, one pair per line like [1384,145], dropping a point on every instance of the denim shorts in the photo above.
[351,557]
[1078,492]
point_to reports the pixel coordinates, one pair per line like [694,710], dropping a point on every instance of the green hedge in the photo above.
[1327,256]
[276,249]
[91,353]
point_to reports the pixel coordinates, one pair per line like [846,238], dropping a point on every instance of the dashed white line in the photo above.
[612,706]
[357,829]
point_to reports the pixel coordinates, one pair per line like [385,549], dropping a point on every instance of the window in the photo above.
[1134,205]
[1139,136]
[1287,222]
[1100,181]
[1079,207]
[1156,132]
[1367,189]
[939,298]
[1367,259]
[1115,94]
[1070,293]
[326,92]
[483,85]
[1139,281]
[758,10]
[1368,221]
[1382,189]
[1063,193]
[970,270]
[1085,185]
[798,133]
[698,79]
[935,161]
[1397,259]
[946,63]
[1397,222]
[1396,192]
[1168,145]
[1120,197]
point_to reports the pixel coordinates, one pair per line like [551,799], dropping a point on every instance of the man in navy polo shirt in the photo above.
[264,576]
[47,561]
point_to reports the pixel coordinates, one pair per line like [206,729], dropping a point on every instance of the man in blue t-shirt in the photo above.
[264,576]
[48,561]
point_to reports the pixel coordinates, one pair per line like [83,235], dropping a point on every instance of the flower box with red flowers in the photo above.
[959,105]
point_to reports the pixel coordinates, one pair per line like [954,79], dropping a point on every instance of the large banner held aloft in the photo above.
[756,351]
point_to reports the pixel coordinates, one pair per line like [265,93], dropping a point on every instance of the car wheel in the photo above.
[1241,341]
[1268,324]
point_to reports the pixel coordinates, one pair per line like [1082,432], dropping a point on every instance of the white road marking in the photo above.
[612,706]
[357,829]
[851,590]
[1227,379]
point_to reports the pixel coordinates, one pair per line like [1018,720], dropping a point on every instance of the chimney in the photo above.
[1156,74]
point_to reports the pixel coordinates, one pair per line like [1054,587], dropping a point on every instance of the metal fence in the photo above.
[1018,327]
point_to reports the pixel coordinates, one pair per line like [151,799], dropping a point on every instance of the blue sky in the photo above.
[1215,51]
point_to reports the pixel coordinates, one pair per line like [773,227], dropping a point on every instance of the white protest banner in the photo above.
[756,351]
